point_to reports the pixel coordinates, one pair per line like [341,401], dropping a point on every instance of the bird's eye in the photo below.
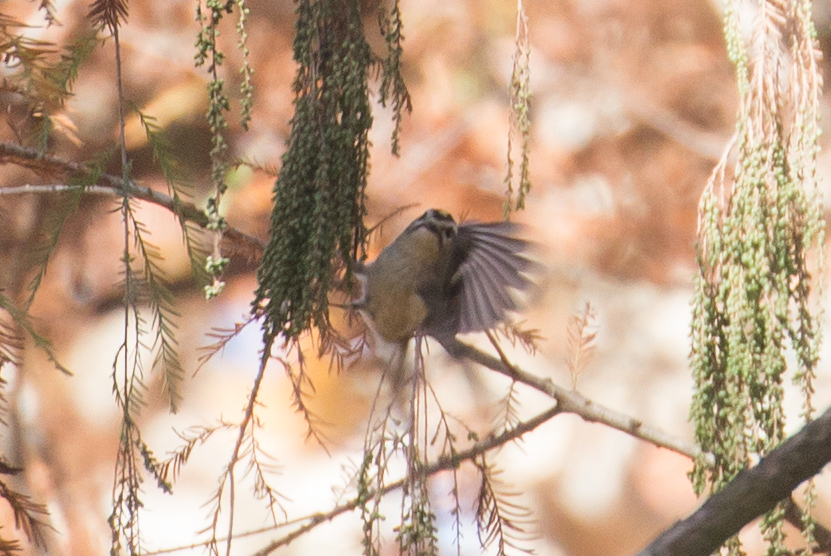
[448,233]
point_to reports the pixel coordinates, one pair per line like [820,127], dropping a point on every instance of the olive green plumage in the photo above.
[440,278]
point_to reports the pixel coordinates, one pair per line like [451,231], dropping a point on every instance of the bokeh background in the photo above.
[633,101]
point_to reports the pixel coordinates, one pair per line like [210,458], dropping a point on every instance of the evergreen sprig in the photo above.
[181,190]
[110,14]
[23,320]
[209,54]
[392,86]
[160,299]
[246,87]
[42,76]
[29,516]
[502,522]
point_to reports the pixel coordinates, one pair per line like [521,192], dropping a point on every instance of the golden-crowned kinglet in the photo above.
[440,278]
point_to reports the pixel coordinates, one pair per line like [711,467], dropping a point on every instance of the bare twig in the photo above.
[228,475]
[570,401]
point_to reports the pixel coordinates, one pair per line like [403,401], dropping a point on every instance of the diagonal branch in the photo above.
[571,401]
[41,163]
[805,457]
[444,463]
[750,494]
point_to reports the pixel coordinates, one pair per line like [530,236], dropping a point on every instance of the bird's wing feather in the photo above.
[492,262]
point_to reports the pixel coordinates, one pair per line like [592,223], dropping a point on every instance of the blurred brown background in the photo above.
[633,101]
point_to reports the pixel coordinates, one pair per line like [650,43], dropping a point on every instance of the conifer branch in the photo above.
[501,521]
[28,515]
[444,463]
[10,341]
[571,401]
[241,244]
[245,433]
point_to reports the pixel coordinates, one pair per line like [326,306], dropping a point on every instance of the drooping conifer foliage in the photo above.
[317,225]
[758,235]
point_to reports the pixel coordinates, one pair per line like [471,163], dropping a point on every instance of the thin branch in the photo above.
[206,544]
[228,475]
[114,185]
[567,402]
[571,401]
[444,463]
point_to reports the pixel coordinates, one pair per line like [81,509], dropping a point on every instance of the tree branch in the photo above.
[444,463]
[240,243]
[750,494]
[571,401]
[567,402]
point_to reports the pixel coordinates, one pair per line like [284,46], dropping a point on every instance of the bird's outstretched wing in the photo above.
[487,261]
[494,260]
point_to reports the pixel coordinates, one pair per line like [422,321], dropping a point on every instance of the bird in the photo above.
[440,278]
